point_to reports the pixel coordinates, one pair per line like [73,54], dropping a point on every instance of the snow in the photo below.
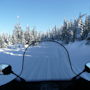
[12,57]
[80,55]
[47,61]
[16,46]
[15,61]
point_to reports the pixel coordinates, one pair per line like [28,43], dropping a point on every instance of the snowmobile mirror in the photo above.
[87,67]
[5,69]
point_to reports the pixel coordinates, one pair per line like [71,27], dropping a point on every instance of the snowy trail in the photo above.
[47,62]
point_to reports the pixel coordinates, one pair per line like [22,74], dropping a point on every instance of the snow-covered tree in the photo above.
[78,28]
[65,32]
[1,42]
[86,30]
[17,36]
[27,35]
[87,23]
[34,34]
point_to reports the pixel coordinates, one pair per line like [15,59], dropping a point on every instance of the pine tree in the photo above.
[1,42]
[17,35]
[87,27]
[34,34]
[27,35]
[65,32]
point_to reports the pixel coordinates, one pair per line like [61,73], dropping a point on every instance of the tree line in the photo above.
[19,36]
[70,31]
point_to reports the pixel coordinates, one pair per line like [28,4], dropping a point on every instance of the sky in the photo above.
[39,14]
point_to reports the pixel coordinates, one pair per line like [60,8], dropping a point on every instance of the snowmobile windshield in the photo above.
[46,61]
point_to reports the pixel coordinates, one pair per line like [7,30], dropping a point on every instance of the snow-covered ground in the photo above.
[12,57]
[80,55]
[47,61]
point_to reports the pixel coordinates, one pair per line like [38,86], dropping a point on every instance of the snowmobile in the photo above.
[19,82]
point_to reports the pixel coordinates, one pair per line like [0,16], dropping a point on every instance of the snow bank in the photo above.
[80,55]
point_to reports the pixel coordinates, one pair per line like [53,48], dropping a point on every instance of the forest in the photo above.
[71,31]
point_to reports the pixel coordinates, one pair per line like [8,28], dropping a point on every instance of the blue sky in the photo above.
[41,14]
